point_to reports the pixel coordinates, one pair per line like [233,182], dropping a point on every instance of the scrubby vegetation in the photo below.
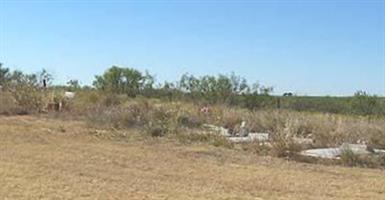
[125,98]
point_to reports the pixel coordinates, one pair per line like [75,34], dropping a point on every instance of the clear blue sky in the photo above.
[315,47]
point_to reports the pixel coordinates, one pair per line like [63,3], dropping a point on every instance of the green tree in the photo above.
[45,76]
[364,104]
[123,81]
[4,74]
[73,85]
[221,88]
[26,91]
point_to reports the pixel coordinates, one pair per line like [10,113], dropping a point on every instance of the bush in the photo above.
[156,130]
[8,104]
[127,81]
[377,139]
[131,116]
[230,119]
[365,104]
[24,89]
[348,158]
[282,142]
[284,146]
[189,121]
[30,100]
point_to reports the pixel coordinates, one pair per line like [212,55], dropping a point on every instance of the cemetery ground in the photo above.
[50,158]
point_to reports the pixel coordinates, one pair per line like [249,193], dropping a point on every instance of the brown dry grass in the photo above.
[43,158]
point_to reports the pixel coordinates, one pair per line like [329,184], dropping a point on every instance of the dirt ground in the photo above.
[43,158]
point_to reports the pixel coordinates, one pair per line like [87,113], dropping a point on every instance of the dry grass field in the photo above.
[43,158]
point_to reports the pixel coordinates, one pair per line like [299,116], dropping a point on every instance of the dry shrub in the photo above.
[156,130]
[333,130]
[160,122]
[282,142]
[8,104]
[85,100]
[327,130]
[133,115]
[154,119]
[190,117]
[284,147]
[29,100]
[189,121]
[158,118]
[171,117]
[22,100]
[348,158]
[377,139]
[230,118]
[266,120]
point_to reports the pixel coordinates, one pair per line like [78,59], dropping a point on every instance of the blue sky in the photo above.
[307,47]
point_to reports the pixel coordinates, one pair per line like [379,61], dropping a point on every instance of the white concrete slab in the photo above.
[322,153]
[218,129]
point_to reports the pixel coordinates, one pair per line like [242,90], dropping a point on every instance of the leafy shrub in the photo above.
[365,104]
[120,80]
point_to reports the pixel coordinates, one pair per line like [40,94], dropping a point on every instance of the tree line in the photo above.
[231,90]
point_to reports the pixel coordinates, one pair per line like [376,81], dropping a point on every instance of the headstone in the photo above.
[69,95]
[243,131]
